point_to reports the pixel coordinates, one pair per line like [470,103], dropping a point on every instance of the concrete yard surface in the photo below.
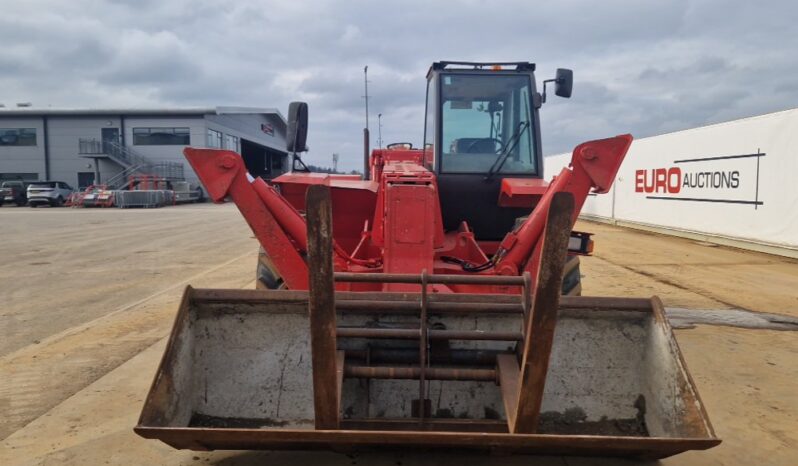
[89,296]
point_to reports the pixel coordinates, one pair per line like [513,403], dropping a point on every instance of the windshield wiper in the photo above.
[502,157]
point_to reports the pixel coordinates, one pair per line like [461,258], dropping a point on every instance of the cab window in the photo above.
[429,124]
[487,124]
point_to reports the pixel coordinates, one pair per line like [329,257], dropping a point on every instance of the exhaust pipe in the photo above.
[366,167]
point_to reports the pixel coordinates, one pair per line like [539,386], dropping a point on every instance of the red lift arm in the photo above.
[593,167]
[404,234]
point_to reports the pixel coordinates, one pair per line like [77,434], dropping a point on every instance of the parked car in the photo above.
[13,192]
[53,193]
[184,192]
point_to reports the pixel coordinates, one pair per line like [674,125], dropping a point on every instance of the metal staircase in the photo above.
[132,162]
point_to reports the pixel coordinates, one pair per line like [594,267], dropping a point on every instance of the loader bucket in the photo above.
[240,372]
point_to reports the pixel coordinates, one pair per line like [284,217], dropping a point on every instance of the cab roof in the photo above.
[480,66]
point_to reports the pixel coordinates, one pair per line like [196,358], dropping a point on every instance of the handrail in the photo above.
[133,162]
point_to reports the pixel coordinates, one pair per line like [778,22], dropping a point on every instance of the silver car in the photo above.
[53,193]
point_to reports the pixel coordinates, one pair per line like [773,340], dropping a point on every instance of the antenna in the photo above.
[366,84]
[366,144]
[379,129]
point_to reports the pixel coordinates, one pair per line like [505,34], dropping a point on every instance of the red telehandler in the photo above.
[420,305]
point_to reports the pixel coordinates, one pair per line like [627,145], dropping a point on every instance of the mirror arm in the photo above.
[294,160]
[543,96]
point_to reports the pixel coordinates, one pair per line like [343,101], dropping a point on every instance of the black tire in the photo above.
[266,278]
[58,202]
[572,277]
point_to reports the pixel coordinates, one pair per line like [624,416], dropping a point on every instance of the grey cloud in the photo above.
[141,58]
[707,66]
[640,67]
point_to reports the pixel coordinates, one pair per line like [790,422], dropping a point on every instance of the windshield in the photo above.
[42,184]
[487,124]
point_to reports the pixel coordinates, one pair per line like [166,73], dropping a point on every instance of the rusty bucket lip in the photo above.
[453,434]
[205,438]
[202,438]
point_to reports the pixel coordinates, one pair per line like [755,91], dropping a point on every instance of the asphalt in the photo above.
[88,297]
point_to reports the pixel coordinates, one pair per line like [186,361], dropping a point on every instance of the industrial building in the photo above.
[93,146]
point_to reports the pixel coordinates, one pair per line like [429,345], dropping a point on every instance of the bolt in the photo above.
[589,153]
[227,162]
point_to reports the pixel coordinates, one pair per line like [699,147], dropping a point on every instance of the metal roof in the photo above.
[41,111]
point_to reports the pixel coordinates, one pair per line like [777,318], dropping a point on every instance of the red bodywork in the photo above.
[392,223]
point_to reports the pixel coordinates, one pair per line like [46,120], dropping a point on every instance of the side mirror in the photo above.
[564,82]
[297,133]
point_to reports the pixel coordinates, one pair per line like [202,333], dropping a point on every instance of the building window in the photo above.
[17,136]
[232,143]
[85,179]
[19,176]
[214,139]
[161,137]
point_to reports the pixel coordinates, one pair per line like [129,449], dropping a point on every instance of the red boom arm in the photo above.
[402,232]
[594,165]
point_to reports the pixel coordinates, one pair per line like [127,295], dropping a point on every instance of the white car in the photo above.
[53,193]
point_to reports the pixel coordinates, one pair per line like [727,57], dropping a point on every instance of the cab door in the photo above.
[486,130]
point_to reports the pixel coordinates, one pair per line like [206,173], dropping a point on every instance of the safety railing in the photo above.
[132,162]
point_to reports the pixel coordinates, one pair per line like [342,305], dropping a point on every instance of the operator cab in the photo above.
[482,126]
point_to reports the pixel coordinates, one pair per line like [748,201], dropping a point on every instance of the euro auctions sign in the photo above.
[731,181]
[728,179]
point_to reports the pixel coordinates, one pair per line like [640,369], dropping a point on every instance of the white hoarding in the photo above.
[733,180]
[596,205]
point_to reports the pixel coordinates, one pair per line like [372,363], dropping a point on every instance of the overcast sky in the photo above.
[645,67]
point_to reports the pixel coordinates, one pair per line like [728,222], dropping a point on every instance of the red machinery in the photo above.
[93,196]
[392,223]
[423,306]
[472,202]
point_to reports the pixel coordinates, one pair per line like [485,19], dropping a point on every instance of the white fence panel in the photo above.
[596,205]
[733,180]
